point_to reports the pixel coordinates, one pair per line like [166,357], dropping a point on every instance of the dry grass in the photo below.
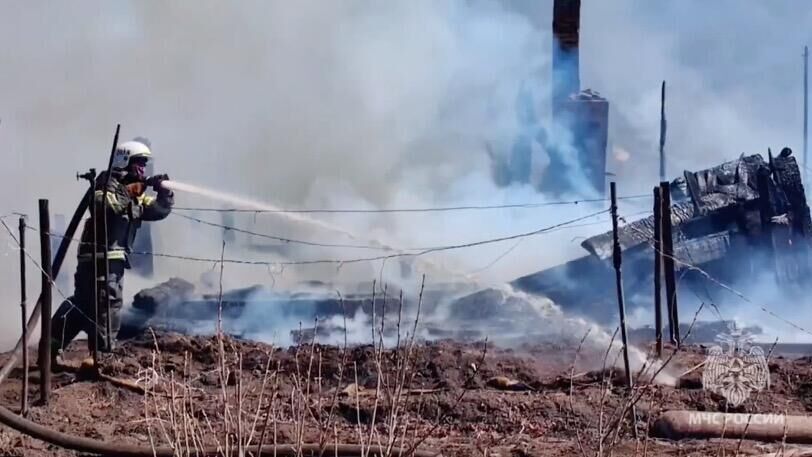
[299,406]
[249,416]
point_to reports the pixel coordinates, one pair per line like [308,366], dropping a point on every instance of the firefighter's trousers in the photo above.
[78,313]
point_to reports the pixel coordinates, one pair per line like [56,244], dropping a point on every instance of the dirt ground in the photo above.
[461,399]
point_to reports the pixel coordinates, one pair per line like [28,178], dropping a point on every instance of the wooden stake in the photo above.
[616,258]
[45,336]
[662,132]
[91,179]
[668,264]
[108,325]
[24,309]
[806,114]
[658,264]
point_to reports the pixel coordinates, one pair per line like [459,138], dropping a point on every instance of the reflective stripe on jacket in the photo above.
[123,216]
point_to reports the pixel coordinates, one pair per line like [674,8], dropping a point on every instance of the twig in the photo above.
[222,354]
[641,389]
[572,407]
[344,353]
[270,411]
[457,401]
[691,370]
[604,389]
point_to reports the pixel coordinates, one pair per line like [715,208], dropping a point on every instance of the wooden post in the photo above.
[617,260]
[806,114]
[668,264]
[92,206]
[662,132]
[90,176]
[45,336]
[24,309]
[658,264]
[91,179]
[108,325]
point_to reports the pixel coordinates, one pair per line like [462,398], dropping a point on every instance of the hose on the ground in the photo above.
[118,449]
[678,425]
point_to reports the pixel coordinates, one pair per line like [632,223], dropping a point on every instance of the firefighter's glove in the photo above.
[135,189]
[155,181]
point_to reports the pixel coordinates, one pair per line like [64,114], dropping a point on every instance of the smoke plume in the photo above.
[365,104]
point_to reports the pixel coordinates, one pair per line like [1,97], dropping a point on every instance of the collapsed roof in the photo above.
[712,206]
[730,220]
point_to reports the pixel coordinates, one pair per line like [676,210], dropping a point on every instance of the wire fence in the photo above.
[281,238]
[65,298]
[391,253]
[529,205]
[402,253]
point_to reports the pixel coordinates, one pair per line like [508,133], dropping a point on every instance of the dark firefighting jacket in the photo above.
[124,216]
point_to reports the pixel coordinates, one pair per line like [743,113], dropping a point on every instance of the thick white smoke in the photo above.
[367,104]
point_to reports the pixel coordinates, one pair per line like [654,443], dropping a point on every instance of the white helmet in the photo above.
[129,150]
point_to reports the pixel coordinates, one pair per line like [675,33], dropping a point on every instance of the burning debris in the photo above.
[727,221]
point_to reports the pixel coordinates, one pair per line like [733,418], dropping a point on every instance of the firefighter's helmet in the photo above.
[130,150]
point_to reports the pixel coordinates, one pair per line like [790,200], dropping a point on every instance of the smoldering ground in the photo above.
[361,104]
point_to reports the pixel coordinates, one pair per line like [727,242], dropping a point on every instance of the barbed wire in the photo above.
[416,252]
[80,242]
[408,210]
[51,280]
[681,237]
[283,239]
[496,259]
[381,257]
[563,225]
[412,252]
[333,245]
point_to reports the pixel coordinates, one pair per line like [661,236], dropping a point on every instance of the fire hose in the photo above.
[676,425]
[81,444]
[118,449]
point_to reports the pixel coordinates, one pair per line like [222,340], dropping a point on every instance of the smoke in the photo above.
[394,318]
[367,105]
[734,82]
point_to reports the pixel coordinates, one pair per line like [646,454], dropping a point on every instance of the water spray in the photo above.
[243,202]
[553,316]
[260,206]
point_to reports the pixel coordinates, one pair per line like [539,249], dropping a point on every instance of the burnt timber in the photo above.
[734,221]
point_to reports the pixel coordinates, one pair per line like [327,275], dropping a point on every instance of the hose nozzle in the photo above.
[90,175]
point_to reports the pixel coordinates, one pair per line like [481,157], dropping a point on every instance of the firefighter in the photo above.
[126,205]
